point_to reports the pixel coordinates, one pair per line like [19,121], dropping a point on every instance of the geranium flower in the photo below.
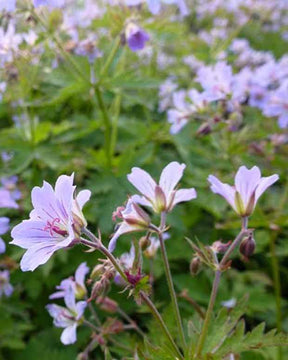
[136,37]
[77,283]
[133,219]
[162,197]
[249,186]
[68,318]
[55,222]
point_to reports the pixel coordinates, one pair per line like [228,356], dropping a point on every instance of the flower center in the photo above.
[52,227]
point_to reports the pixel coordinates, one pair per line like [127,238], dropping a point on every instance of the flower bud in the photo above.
[107,304]
[247,246]
[195,265]
[144,242]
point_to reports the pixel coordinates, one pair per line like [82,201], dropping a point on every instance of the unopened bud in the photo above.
[219,247]
[107,304]
[195,265]
[144,242]
[247,246]
[204,129]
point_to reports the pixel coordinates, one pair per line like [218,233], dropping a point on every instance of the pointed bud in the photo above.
[195,265]
[107,304]
[247,246]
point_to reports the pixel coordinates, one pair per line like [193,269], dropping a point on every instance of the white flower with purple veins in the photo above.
[249,186]
[55,222]
[68,318]
[4,227]
[136,37]
[5,287]
[133,219]
[277,105]
[216,80]
[161,197]
[77,283]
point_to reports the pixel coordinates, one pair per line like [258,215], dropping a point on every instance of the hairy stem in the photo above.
[161,323]
[208,314]
[244,232]
[170,283]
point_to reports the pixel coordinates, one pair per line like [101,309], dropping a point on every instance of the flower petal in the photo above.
[80,274]
[35,256]
[2,246]
[83,197]
[123,228]
[170,177]
[264,183]
[225,190]
[69,336]
[246,182]
[143,182]
[184,195]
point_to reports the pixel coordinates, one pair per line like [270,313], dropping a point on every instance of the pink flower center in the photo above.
[51,227]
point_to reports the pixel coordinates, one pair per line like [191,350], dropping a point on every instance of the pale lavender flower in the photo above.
[77,283]
[87,47]
[162,197]
[249,186]
[8,5]
[4,227]
[155,6]
[178,116]
[9,43]
[68,318]
[277,105]
[135,36]
[9,183]
[55,222]
[5,287]
[216,80]
[6,199]
[49,3]
[133,219]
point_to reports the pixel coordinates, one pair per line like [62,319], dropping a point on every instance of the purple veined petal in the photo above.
[45,203]
[83,197]
[264,183]
[80,306]
[246,182]
[225,190]
[69,299]
[64,285]
[154,6]
[123,229]
[35,256]
[170,177]
[80,274]
[4,225]
[64,190]
[2,246]
[184,195]
[141,200]
[54,310]
[68,335]
[8,289]
[31,232]
[143,182]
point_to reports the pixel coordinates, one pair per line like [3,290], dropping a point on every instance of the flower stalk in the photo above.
[170,282]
